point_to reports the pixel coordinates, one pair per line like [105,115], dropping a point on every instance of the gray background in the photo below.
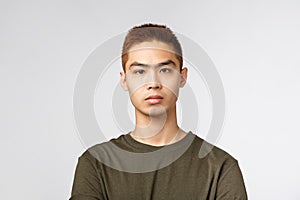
[254,45]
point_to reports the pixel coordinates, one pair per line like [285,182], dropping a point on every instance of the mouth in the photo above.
[154,99]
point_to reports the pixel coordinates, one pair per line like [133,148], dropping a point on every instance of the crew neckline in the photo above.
[137,144]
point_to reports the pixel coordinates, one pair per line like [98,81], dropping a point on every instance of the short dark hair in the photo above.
[150,32]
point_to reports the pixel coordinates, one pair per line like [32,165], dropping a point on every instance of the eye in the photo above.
[139,71]
[165,70]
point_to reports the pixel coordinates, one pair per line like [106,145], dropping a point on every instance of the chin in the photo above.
[154,111]
[157,113]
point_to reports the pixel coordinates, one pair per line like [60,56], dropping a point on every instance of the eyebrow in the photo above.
[168,62]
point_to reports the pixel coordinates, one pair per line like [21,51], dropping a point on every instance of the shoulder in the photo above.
[93,153]
[225,168]
[212,154]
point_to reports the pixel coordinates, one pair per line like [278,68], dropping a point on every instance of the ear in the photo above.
[183,77]
[123,80]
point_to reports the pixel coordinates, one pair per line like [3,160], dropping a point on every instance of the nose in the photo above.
[153,82]
[153,85]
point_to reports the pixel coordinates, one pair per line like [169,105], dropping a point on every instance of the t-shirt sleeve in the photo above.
[86,184]
[231,184]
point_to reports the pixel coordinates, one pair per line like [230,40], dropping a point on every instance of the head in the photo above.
[152,65]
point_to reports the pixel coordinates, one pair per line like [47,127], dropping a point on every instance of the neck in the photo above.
[157,130]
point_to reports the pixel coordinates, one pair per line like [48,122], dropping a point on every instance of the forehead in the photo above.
[151,53]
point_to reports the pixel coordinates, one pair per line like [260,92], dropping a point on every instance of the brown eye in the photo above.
[140,71]
[165,70]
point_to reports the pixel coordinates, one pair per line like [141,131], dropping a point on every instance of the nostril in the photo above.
[154,86]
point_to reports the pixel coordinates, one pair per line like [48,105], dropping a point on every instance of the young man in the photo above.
[162,160]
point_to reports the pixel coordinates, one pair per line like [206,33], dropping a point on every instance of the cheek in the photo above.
[135,85]
[172,85]
[136,95]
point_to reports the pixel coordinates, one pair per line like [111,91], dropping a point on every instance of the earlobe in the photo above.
[123,81]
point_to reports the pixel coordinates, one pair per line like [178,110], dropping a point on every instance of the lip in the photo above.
[153,101]
[154,97]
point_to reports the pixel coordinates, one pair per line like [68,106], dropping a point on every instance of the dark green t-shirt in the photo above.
[105,174]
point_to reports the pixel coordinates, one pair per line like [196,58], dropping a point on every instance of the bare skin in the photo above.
[153,79]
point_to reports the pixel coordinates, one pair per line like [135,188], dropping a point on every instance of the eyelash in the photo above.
[169,70]
[140,70]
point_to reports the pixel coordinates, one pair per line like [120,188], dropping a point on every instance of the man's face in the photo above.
[153,77]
